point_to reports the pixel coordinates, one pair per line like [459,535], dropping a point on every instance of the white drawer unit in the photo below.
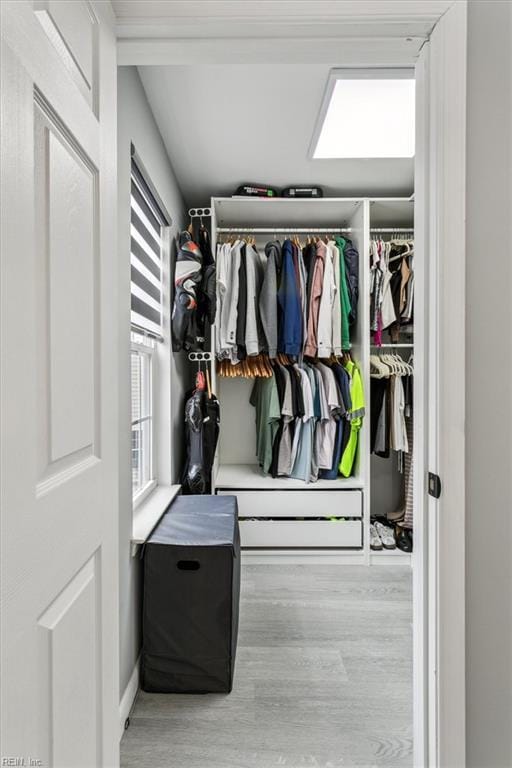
[299,519]
[303,534]
[290,504]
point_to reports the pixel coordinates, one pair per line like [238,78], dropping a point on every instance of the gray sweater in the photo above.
[268,296]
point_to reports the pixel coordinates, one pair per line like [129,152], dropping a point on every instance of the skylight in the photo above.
[368,115]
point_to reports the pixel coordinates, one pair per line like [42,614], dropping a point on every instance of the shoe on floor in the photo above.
[386,536]
[375,542]
[403,538]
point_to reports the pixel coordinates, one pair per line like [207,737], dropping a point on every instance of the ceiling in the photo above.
[227,125]
[236,85]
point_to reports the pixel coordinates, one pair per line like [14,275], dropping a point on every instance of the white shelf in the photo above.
[391,212]
[249,476]
[284,212]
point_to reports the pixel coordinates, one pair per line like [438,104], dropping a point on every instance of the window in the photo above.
[367,114]
[147,223]
[142,379]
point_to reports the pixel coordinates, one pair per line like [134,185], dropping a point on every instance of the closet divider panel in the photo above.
[360,223]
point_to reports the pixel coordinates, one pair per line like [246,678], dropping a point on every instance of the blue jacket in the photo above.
[288,295]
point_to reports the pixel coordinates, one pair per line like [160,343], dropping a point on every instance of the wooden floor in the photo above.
[323,678]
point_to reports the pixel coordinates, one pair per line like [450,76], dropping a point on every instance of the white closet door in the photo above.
[59,644]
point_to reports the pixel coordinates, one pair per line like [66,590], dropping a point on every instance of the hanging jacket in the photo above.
[241,307]
[290,331]
[187,279]
[203,241]
[202,420]
[344,296]
[207,296]
[351,258]
[195,478]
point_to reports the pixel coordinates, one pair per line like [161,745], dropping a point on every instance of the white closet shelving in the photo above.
[283,515]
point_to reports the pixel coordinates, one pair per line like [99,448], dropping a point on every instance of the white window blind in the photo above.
[146,222]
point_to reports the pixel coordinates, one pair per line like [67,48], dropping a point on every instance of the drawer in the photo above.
[297,503]
[302,534]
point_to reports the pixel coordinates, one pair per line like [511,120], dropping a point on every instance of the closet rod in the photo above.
[282,230]
[392,346]
[392,229]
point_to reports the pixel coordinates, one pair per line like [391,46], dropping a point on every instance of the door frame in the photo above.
[438,566]
[439,573]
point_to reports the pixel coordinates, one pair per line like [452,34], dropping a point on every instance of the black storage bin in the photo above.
[191,597]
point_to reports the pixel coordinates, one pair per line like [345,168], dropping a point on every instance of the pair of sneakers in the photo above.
[381,537]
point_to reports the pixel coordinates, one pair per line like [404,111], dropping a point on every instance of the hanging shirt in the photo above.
[303,295]
[268,296]
[302,464]
[241,305]
[399,440]
[388,314]
[284,465]
[316,409]
[336,309]
[344,297]
[309,256]
[326,434]
[254,281]
[264,397]
[221,264]
[355,417]
[311,346]
[325,311]
[290,331]
[342,425]
[231,298]
[351,259]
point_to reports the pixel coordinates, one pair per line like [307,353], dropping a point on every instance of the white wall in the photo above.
[136,124]
[489,387]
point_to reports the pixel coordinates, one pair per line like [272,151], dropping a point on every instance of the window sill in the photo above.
[149,512]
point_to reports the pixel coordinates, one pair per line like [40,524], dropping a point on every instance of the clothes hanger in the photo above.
[380,369]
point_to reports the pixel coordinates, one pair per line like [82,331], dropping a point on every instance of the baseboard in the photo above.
[323,557]
[130,692]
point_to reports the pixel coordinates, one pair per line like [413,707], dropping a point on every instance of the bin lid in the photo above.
[204,505]
[198,525]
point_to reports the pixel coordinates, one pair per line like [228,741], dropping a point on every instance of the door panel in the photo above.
[59,649]
[66,212]
[70,655]
[71,27]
